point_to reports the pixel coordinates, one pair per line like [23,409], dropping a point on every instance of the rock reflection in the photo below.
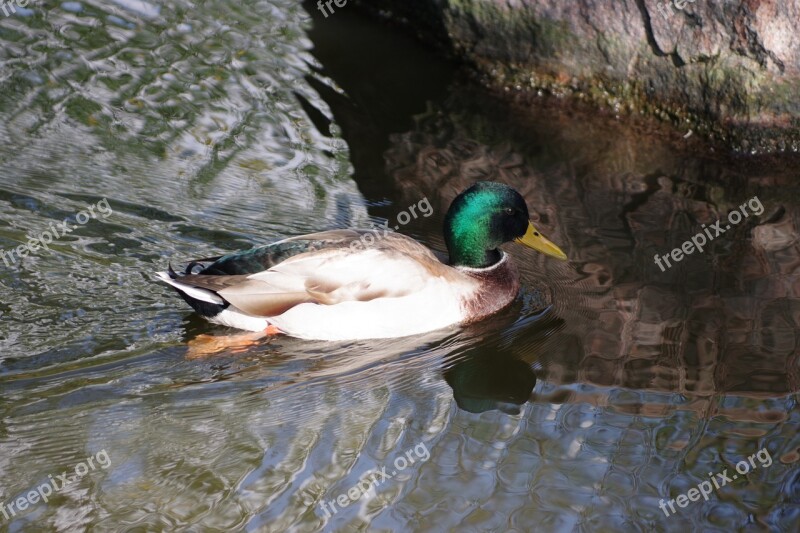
[722,321]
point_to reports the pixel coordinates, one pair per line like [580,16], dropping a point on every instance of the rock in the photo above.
[728,71]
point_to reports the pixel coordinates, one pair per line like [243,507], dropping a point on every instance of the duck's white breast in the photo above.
[437,306]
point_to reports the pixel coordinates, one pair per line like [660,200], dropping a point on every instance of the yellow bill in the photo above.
[540,243]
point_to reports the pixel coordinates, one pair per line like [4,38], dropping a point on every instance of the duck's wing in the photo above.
[348,268]
[265,257]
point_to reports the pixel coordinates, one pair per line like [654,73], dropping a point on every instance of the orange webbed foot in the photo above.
[209,345]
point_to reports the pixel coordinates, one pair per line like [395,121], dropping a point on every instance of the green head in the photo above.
[485,216]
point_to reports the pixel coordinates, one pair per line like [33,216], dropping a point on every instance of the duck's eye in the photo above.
[509,210]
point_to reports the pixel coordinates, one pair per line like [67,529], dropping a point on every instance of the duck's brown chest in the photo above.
[498,288]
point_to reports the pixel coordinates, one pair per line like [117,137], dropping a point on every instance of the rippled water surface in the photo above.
[608,385]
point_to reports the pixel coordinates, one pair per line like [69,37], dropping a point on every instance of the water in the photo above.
[607,386]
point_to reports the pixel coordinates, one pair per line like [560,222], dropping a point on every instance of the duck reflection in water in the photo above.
[490,380]
[497,372]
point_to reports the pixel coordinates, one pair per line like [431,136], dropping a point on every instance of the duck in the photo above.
[340,285]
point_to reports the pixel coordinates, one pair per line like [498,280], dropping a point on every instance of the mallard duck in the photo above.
[339,285]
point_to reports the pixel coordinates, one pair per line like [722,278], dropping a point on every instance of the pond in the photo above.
[603,399]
